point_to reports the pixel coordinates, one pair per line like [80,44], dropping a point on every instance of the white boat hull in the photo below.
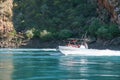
[87,52]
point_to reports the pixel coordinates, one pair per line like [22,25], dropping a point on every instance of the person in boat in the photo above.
[72,43]
[75,43]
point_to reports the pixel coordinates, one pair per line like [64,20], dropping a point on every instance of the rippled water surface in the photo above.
[48,64]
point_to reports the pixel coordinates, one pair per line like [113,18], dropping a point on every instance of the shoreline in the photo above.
[36,43]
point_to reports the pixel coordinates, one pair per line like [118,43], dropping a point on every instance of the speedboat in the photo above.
[72,48]
[66,50]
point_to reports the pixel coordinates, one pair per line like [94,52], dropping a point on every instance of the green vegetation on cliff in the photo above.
[60,19]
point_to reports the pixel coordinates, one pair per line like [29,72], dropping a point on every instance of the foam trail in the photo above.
[91,52]
[95,52]
[82,52]
[25,49]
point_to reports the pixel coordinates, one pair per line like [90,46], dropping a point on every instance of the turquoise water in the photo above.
[48,64]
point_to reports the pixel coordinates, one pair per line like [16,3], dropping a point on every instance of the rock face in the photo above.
[109,10]
[6,23]
[115,41]
[6,13]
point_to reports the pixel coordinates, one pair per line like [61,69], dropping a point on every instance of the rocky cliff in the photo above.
[109,10]
[6,23]
[6,13]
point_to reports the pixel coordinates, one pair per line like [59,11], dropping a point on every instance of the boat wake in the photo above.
[92,52]
[29,49]
[82,52]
